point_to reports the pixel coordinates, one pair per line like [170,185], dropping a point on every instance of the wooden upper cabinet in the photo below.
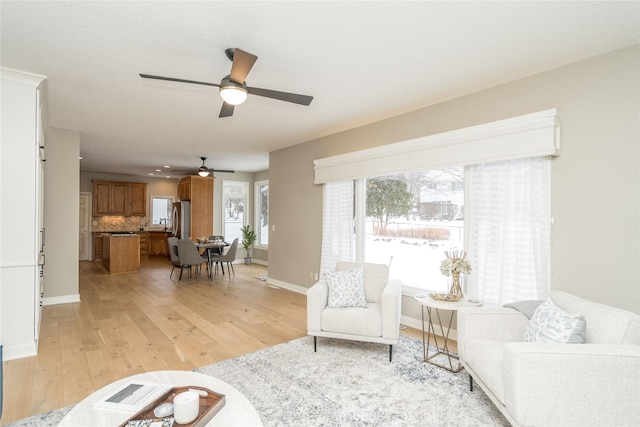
[101,198]
[184,189]
[119,198]
[137,199]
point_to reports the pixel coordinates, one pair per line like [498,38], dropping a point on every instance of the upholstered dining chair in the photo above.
[228,257]
[172,243]
[214,238]
[190,257]
[355,302]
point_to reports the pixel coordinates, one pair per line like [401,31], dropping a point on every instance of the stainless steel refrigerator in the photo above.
[181,220]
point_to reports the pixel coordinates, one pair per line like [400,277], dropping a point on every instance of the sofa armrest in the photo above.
[495,324]
[317,297]
[572,384]
[390,309]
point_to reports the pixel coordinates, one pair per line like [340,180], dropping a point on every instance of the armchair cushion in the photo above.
[550,323]
[376,277]
[346,288]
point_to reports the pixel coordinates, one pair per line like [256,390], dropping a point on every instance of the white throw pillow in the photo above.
[550,323]
[346,288]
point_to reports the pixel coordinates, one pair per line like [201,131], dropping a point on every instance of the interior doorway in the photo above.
[85,227]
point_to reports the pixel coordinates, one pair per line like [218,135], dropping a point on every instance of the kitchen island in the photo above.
[120,252]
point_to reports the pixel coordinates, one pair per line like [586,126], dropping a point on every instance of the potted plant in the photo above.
[248,237]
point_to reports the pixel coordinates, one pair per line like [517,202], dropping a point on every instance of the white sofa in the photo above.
[378,322]
[596,383]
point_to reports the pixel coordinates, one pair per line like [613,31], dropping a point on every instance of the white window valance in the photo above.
[530,135]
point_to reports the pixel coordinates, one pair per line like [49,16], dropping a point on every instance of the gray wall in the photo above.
[595,187]
[61,207]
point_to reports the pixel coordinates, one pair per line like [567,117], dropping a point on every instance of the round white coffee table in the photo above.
[428,303]
[237,411]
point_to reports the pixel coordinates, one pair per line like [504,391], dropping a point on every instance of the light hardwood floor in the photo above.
[131,323]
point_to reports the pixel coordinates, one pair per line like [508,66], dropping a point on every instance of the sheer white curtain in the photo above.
[338,242]
[509,218]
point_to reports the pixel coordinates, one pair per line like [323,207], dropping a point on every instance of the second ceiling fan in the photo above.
[202,170]
[233,87]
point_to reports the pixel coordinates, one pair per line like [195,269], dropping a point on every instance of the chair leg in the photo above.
[315,343]
[230,268]
[181,268]
[390,351]
[172,268]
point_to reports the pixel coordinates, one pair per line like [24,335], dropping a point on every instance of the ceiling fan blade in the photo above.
[282,96]
[226,110]
[242,64]
[222,170]
[173,79]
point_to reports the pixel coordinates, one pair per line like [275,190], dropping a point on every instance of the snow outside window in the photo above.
[234,200]
[261,192]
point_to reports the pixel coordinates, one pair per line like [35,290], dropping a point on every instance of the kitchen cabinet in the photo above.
[144,244]
[158,244]
[121,253]
[200,191]
[119,198]
[22,167]
[184,189]
[137,199]
[97,246]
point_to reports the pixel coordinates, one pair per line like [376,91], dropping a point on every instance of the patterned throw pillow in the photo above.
[550,323]
[346,288]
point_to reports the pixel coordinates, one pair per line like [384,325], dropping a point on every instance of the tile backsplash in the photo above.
[119,223]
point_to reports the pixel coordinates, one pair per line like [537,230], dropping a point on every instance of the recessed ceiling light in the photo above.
[151,174]
[80,157]
[158,170]
[167,167]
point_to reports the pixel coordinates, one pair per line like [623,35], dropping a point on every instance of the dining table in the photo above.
[210,246]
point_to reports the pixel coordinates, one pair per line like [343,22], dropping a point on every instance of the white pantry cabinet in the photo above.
[22,235]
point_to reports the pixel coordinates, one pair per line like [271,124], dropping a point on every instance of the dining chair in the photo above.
[190,257]
[214,238]
[229,258]
[172,242]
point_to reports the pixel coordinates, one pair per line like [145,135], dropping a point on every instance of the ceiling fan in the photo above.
[202,170]
[233,87]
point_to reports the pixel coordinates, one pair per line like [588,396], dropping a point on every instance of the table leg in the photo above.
[440,350]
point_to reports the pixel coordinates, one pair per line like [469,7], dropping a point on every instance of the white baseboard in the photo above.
[19,351]
[294,288]
[65,299]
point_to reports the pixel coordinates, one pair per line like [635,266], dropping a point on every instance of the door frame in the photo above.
[87,238]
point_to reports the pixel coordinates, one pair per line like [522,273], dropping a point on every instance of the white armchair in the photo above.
[550,384]
[378,322]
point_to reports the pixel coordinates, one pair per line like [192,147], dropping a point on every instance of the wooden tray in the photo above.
[209,407]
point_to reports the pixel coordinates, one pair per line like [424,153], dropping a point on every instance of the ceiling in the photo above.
[362,62]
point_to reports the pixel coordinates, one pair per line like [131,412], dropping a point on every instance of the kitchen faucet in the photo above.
[164,220]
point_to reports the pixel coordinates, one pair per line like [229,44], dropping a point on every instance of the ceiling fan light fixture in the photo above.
[203,170]
[234,95]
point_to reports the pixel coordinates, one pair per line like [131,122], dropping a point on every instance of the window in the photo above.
[161,211]
[234,203]
[261,192]
[411,220]
[508,204]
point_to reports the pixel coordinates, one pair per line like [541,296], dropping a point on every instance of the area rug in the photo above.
[345,383]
